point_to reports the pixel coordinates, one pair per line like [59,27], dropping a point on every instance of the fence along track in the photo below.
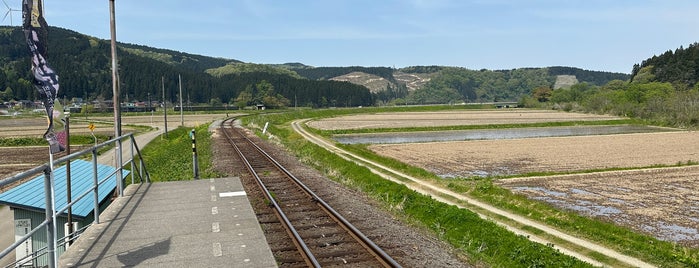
[322,235]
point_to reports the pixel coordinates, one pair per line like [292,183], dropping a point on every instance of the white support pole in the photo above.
[181,107]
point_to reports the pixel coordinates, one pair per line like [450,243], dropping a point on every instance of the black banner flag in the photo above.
[45,78]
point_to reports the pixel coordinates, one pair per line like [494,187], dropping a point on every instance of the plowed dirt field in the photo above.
[661,202]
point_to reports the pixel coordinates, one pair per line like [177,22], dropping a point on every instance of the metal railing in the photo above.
[137,166]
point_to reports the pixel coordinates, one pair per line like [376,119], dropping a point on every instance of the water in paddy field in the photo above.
[492,134]
[616,212]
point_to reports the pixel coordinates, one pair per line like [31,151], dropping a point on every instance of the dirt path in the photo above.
[514,222]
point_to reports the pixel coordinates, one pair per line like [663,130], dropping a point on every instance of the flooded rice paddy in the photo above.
[618,210]
[492,134]
[640,200]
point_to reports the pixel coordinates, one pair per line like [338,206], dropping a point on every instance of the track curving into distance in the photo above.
[321,235]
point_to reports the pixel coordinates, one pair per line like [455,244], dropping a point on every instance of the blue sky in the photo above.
[604,35]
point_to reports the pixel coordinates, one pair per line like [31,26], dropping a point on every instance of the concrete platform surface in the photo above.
[202,223]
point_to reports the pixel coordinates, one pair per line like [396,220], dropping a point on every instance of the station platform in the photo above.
[199,223]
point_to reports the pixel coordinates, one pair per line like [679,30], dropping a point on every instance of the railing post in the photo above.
[96,183]
[140,160]
[143,167]
[50,227]
[132,159]
[119,166]
[140,169]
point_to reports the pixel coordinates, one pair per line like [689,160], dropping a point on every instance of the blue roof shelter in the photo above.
[28,200]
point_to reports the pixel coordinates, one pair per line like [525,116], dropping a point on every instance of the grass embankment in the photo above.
[480,239]
[622,239]
[170,158]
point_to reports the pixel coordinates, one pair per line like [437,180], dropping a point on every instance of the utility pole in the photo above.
[115,73]
[162,78]
[181,107]
[117,102]
[69,194]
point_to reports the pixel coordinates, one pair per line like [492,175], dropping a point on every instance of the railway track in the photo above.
[321,236]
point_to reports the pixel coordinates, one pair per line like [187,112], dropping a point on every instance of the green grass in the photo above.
[457,226]
[38,141]
[622,239]
[170,158]
[480,239]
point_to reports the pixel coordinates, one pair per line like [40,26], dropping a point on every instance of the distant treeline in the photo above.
[454,85]
[680,67]
[663,91]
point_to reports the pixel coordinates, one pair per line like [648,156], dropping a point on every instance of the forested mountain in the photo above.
[680,67]
[454,85]
[440,84]
[84,66]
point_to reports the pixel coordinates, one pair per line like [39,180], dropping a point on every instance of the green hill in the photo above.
[453,84]
[84,67]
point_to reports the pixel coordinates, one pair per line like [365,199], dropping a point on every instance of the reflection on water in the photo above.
[491,134]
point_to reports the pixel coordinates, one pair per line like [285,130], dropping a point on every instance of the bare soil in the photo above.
[555,154]
[19,159]
[658,202]
[36,126]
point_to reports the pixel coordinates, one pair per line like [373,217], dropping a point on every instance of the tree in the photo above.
[7,94]
[244,98]
[215,102]
[263,89]
[615,85]
[644,75]
[542,94]
[3,80]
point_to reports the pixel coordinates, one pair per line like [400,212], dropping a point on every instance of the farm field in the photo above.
[451,118]
[657,201]
[35,126]
[554,154]
[18,159]
[661,202]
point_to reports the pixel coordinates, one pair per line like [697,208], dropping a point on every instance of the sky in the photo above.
[600,35]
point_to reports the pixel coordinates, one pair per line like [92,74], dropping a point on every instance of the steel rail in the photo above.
[378,253]
[306,253]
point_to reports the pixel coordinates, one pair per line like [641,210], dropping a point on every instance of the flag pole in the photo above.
[45,80]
